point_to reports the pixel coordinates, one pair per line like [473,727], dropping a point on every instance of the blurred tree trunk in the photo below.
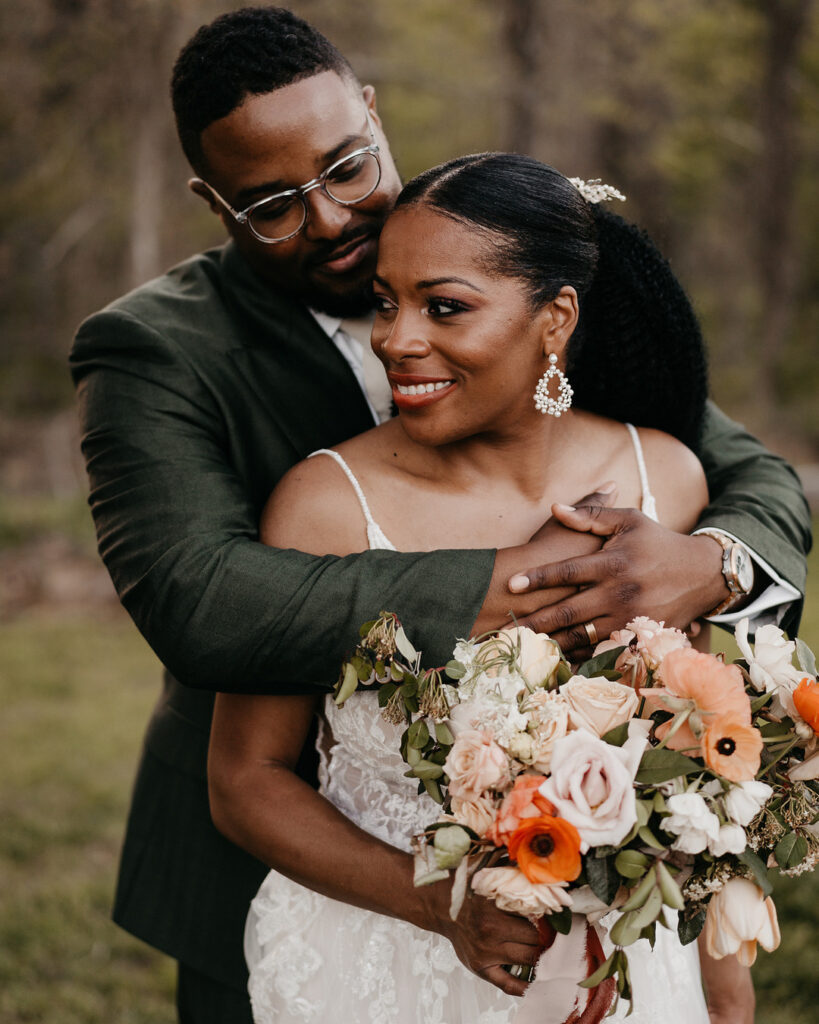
[522,51]
[775,245]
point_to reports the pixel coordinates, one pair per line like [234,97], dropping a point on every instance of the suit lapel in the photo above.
[288,361]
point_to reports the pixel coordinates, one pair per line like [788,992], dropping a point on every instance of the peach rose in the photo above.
[475,764]
[599,704]
[740,916]
[523,801]
[477,813]
[512,891]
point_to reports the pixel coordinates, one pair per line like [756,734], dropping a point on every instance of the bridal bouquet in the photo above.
[651,776]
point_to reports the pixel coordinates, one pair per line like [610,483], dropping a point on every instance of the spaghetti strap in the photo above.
[647,505]
[376,537]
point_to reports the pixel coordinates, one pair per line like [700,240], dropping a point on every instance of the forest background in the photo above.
[704,112]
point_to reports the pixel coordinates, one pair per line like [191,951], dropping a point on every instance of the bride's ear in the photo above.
[559,320]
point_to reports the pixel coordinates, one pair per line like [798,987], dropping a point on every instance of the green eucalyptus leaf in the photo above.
[602,664]
[444,734]
[659,765]
[418,734]
[433,789]
[605,970]
[384,693]
[689,927]
[616,736]
[563,673]
[561,920]
[648,837]
[757,866]
[791,850]
[455,670]
[427,770]
[603,877]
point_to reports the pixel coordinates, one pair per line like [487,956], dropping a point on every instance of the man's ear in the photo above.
[559,319]
[199,188]
[368,92]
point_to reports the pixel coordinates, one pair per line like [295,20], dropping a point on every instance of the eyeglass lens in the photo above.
[350,181]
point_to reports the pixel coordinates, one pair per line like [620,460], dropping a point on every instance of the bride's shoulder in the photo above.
[315,507]
[676,479]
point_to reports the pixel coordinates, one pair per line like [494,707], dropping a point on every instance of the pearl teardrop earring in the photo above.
[543,401]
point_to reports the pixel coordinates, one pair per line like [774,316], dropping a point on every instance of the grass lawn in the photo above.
[76,693]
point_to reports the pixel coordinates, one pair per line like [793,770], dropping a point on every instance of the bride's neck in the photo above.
[525,461]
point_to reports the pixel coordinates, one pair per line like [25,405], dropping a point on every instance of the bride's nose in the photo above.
[404,338]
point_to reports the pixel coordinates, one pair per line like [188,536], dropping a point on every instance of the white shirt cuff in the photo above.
[771,605]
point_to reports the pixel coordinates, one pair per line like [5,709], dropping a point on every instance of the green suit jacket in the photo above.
[197,392]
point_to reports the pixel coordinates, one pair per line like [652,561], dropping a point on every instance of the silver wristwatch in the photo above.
[737,570]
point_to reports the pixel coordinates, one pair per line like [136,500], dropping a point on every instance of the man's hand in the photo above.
[642,569]
[485,938]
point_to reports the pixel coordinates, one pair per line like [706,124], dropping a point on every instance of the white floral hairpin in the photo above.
[594,191]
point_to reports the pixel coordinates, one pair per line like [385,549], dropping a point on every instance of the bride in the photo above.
[483,271]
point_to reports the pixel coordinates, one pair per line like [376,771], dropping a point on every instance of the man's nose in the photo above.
[404,338]
[325,219]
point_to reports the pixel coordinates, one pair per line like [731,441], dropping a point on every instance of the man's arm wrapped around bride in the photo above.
[500,289]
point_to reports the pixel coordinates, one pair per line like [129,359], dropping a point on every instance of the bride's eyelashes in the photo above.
[441,307]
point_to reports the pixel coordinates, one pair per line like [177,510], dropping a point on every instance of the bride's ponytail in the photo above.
[638,354]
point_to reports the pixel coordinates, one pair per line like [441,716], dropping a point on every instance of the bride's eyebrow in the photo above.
[432,282]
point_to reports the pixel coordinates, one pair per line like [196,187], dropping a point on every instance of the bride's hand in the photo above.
[643,568]
[485,938]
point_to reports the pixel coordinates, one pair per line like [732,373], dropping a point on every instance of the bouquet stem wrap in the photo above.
[554,996]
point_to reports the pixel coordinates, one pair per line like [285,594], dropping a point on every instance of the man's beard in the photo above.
[353,300]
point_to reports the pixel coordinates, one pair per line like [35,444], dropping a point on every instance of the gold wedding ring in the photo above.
[591,633]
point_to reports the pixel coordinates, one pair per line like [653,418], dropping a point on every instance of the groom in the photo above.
[199,390]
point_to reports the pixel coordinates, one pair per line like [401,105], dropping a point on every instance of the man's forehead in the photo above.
[299,125]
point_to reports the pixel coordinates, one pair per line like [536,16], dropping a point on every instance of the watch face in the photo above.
[743,568]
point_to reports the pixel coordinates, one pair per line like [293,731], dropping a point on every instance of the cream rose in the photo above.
[474,764]
[512,891]
[592,786]
[599,704]
[740,916]
[548,714]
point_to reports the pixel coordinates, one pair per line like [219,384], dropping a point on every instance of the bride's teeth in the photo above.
[422,389]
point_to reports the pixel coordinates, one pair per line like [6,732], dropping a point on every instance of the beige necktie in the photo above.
[375,380]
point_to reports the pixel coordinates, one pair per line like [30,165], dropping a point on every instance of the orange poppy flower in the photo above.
[547,849]
[731,748]
[806,699]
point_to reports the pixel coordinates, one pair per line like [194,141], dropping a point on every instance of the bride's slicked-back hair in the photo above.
[637,354]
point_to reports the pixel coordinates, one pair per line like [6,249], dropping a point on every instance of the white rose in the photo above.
[744,800]
[738,917]
[512,891]
[770,661]
[599,704]
[691,821]
[731,839]
[548,716]
[592,786]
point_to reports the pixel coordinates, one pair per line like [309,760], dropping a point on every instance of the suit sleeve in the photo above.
[178,534]
[757,497]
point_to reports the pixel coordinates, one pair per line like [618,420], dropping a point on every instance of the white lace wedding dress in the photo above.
[314,959]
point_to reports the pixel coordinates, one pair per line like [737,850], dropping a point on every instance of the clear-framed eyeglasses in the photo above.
[347,181]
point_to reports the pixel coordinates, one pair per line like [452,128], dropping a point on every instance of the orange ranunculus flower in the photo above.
[523,801]
[732,748]
[806,699]
[547,849]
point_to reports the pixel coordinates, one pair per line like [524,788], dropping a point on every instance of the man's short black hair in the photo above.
[247,52]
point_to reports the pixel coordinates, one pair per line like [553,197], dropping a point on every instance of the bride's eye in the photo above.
[383,305]
[444,307]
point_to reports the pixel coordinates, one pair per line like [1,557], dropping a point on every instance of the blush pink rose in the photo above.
[475,764]
[512,891]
